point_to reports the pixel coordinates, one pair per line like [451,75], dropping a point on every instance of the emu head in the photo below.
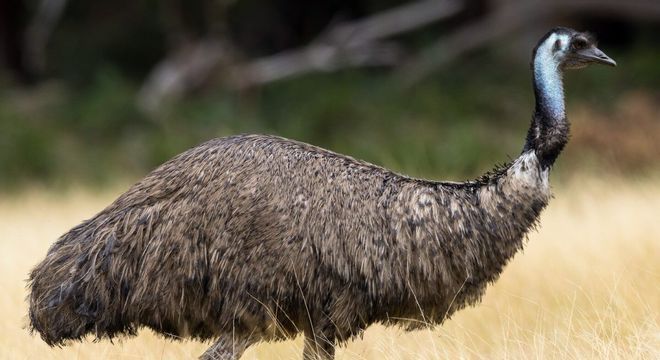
[564,48]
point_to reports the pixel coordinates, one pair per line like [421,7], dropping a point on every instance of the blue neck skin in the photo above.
[548,133]
[549,88]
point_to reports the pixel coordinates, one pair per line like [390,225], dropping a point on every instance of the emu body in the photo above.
[252,238]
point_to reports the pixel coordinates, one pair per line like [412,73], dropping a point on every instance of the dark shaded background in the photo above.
[73,84]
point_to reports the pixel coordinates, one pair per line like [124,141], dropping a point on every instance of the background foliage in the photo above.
[77,119]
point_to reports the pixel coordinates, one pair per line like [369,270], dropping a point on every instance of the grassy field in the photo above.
[587,286]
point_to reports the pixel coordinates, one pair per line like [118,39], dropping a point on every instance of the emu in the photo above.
[258,238]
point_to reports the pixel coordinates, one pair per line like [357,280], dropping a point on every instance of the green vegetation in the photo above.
[454,125]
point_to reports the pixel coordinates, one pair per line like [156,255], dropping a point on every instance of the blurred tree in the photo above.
[91,60]
[13,15]
[39,31]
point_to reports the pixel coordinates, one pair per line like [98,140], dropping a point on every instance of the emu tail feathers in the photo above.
[71,293]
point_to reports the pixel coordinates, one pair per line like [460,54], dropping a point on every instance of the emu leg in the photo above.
[319,345]
[226,348]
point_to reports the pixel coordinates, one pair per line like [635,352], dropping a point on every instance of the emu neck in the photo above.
[548,88]
[548,133]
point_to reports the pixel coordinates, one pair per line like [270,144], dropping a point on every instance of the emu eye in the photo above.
[579,43]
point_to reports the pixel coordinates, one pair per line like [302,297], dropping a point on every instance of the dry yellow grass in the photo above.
[587,286]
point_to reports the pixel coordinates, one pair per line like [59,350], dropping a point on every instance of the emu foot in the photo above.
[226,348]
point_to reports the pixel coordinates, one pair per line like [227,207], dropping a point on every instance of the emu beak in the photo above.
[596,56]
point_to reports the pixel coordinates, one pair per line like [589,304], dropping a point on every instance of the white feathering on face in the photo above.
[548,74]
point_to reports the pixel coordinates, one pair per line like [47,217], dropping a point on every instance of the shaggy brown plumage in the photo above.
[251,238]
